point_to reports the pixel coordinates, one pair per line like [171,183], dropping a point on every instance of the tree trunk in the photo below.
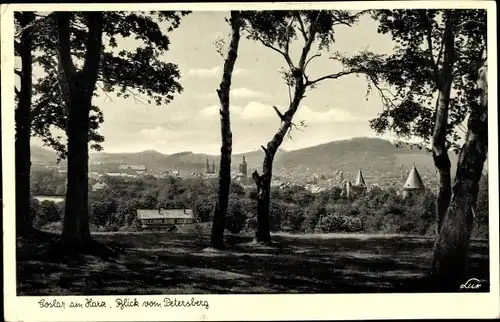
[77,88]
[451,247]
[23,129]
[439,149]
[226,136]
[263,182]
[76,230]
[300,83]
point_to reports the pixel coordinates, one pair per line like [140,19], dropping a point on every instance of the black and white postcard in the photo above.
[250,161]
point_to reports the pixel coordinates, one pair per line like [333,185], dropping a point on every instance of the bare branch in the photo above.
[386,101]
[307,46]
[285,55]
[107,96]
[311,58]
[332,76]
[136,97]
[280,115]
[440,53]
[430,50]
[288,37]
[289,93]
[266,151]
[293,125]
[302,28]
[355,16]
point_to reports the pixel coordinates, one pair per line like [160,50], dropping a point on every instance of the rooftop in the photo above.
[164,214]
[414,180]
[132,167]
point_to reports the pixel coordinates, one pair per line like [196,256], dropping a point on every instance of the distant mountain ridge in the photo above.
[376,157]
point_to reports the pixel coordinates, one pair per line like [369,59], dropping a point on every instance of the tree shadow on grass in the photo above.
[179,264]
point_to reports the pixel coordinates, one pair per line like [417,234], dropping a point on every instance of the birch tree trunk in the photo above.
[439,149]
[451,248]
[263,182]
[223,92]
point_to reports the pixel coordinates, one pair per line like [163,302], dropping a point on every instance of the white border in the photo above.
[251,307]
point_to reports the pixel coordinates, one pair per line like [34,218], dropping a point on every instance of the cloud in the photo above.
[210,111]
[258,111]
[241,72]
[205,72]
[254,111]
[157,132]
[240,92]
[244,92]
[330,116]
[215,71]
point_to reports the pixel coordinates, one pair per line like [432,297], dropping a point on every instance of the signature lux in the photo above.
[471,284]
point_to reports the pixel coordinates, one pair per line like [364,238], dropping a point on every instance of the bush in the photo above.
[292,208]
[45,212]
[235,219]
[332,223]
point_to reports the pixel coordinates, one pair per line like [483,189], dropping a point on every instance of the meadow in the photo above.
[174,263]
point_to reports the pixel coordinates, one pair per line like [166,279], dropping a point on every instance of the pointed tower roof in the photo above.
[414,180]
[360,181]
[244,161]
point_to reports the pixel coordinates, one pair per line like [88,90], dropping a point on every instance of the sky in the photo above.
[335,110]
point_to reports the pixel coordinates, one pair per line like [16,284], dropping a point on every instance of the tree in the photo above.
[223,92]
[276,30]
[23,48]
[437,56]
[141,70]
[452,244]
[77,88]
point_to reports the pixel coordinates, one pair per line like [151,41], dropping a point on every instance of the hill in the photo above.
[377,158]
[43,155]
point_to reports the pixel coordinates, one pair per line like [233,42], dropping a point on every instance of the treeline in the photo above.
[293,209]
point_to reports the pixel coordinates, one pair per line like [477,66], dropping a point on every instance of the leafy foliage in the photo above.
[414,69]
[128,73]
[292,209]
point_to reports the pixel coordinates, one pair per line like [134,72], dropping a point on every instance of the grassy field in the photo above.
[169,263]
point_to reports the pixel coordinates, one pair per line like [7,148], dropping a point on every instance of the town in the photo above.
[249,152]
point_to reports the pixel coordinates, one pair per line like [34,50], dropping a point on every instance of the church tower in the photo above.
[243,167]
[413,184]
[359,186]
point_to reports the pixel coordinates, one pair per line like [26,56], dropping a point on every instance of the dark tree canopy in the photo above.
[414,69]
[127,73]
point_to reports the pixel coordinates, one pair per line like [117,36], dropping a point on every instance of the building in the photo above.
[120,174]
[211,170]
[164,219]
[132,169]
[413,184]
[243,167]
[359,186]
[346,189]
[99,186]
[53,198]
[171,173]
